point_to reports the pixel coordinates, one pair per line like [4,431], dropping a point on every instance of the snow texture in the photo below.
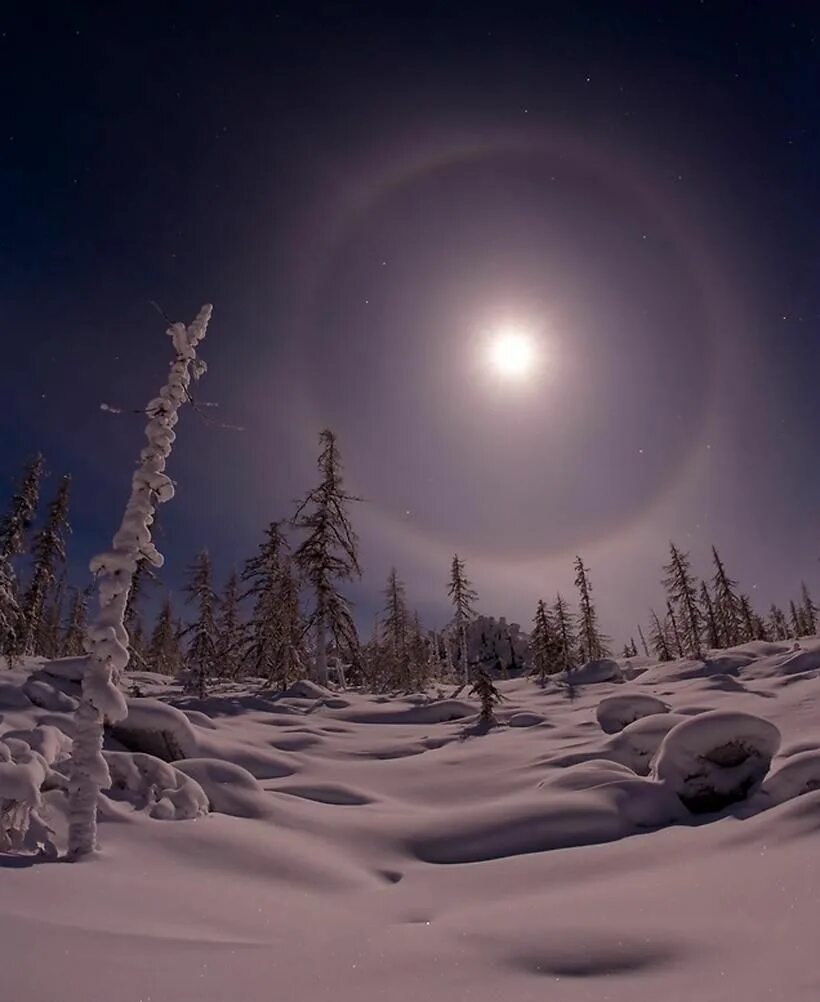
[379,849]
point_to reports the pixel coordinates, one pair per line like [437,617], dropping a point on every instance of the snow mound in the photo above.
[717,758]
[798,775]
[68,669]
[525,718]
[440,712]
[593,672]
[150,784]
[636,745]
[305,689]
[156,729]
[616,712]
[230,788]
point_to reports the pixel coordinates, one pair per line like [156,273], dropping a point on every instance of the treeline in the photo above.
[283,615]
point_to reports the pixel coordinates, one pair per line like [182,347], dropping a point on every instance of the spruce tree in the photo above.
[681,589]
[674,629]
[462,596]
[48,552]
[796,621]
[565,636]
[163,653]
[395,633]
[710,624]
[74,639]
[643,641]
[593,645]
[658,637]
[51,634]
[543,644]
[14,529]
[726,604]
[777,623]
[488,695]
[328,555]
[810,610]
[747,618]
[275,648]
[201,653]
[231,634]
[132,619]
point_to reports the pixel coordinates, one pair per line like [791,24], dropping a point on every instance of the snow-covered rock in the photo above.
[230,789]
[48,697]
[593,672]
[716,758]
[637,744]
[615,712]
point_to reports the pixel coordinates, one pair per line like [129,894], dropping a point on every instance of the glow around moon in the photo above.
[512,354]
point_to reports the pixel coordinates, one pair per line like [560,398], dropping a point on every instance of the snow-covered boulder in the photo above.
[305,689]
[156,729]
[593,672]
[797,775]
[717,758]
[153,785]
[230,789]
[616,712]
[48,741]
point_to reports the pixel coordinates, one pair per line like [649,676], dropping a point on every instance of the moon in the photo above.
[512,354]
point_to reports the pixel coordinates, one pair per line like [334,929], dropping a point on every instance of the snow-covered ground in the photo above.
[365,848]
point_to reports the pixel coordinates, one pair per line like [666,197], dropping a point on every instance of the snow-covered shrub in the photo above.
[22,774]
[157,729]
[716,758]
[615,712]
[47,740]
[153,785]
[797,775]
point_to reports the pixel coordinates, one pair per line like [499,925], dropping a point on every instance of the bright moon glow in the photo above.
[511,353]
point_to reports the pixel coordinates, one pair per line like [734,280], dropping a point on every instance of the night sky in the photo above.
[364,192]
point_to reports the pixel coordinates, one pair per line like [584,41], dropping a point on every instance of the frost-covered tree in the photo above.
[711,632]
[726,604]
[231,630]
[163,653]
[488,695]
[658,637]
[143,576]
[592,643]
[644,644]
[48,553]
[328,555]
[565,636]
[543,643]
[682,591]
[462,596]
[74,638]
[101,698]
[810,610]
[200,657]
[14,529]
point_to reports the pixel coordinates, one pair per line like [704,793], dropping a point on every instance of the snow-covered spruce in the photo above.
[716,758]
[107,638]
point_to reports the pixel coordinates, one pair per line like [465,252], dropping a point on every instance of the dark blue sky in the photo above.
[361,190]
